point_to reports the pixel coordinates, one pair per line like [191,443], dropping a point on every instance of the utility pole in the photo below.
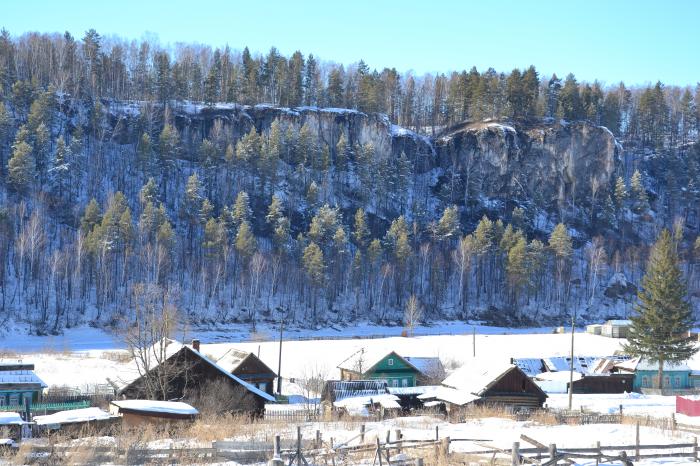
[473,342]
[571,371]
[279,362]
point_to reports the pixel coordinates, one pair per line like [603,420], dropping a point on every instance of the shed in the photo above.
[11,425]
[18,383]
[616,328]
[594,329]
[136,413]
[78,422]
[193,377]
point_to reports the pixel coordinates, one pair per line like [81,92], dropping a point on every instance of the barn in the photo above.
[189,375]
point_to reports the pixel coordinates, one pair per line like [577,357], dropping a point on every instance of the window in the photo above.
[395,382]
[405,382]
[645,382]
[2,399]
[390,361]
[677,381]
[14,399]
[26,396]
[667,381]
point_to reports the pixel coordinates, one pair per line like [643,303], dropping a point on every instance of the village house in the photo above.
[677,378]
[483,383]
[591,374]
[138,413]
[616,328]
[248,367]
[187,374]
[19,384]
[395,370]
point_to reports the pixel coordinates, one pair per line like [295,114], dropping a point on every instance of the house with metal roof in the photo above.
[187,374]
[19,384]
[394,369]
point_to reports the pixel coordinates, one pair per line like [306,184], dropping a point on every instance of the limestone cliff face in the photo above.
[551,162]
[551,165]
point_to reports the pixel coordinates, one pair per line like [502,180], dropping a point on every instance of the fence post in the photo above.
[620,412]
[437,433]
[399,438]
[318,439]
[515,454]
[552,451]
[388,437]
[695,449]
[673,422]
[445,448]
[599,454]
[379,451]
[276,458]
[362,434]
[636,442]
[419,461]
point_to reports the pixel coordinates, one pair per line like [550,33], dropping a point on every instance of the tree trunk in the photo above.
[661,374]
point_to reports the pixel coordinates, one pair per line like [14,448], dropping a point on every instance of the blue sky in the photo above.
[637,41]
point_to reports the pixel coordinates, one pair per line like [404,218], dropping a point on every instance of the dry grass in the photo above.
[121,357]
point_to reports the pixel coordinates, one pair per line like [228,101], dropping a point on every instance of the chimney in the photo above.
[195,345]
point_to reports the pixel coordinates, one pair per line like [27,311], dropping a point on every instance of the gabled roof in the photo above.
[426,365]
[638,364]
[477,377]
[234,358]
[180,347]
[450,395]
[363,360]
[21,377]
[153,406]
[531,366]
[582,364]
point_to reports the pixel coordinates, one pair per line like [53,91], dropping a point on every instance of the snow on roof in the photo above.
[364,359]
[245,384]
[558,376]
[8,418]
[355,388]
[419,390]
[172,347]
[476,377]
[426,365]
[22,376]
[582,364]
[232,358]
[619,322]
[450,395]
[154,406]
[385,400]
[74,415]
[531,366]
[638,364]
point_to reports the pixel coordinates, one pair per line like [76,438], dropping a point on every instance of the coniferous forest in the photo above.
[235,187]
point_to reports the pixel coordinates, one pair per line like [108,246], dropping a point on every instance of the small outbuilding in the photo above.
[616,328]
[137,413]
[78,422]
[11,425]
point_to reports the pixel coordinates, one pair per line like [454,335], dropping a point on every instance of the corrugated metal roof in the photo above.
[531,366]
[15,377]
[342,389]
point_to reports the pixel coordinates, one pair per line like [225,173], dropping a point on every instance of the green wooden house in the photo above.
[396,370]
[18,383]
[676,376]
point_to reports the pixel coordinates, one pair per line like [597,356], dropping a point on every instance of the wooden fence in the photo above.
[298,415]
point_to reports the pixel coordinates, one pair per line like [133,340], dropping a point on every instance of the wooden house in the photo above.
[18,383]
[677,378]
[482,383]
[189,375]
[395,370]
[138,413]
[358,397]
[248,367]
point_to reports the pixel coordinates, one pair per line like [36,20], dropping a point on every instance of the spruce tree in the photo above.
[21,167]
[663,316]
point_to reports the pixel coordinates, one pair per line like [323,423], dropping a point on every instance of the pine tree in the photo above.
[360,233]
[149,193]
[516,268]
[562,250]
[663,316]
[60,170]
[245,241]
[620,194]
[21,166]
[241,209]
[448,225]
[91,216]
[639,193]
